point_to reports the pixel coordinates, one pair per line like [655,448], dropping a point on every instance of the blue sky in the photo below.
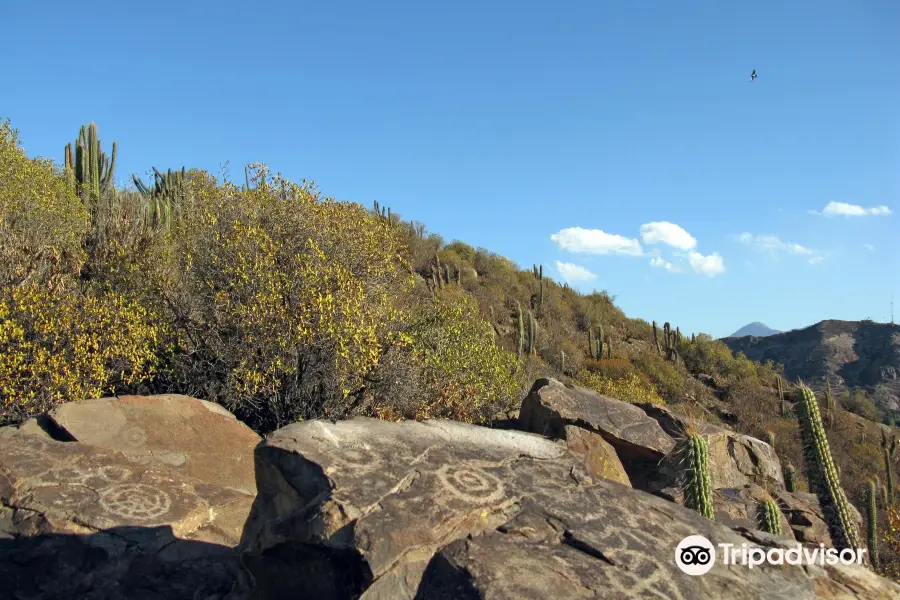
[621,144]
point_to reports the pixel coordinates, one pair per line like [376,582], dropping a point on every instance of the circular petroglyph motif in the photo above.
[135,501]
[135,436]
[470,484]
[114,473]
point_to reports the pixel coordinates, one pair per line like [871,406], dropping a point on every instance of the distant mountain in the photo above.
[755,328]
[855,354]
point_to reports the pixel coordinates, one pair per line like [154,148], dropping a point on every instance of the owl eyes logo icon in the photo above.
[695,555]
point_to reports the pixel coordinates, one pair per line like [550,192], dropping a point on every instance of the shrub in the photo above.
[615,368]
[42,221]
[57,346]
[280,300]
[631,388]
[468,377]
[860,404]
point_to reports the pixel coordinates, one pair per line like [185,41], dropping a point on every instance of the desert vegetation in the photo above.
[283,304]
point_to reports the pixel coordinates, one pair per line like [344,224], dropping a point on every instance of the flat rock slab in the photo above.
[446,510]
[551,405]
[92,512]
[200,439]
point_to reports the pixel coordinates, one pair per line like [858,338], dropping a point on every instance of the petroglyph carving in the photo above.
[471,484]
[135,501]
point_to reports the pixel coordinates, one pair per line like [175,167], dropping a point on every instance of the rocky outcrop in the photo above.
[197,438]
[444,510]
[592,424]
[643,437]
[366,509]
[141,503]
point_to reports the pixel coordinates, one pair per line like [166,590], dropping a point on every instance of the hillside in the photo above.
[851,354]
[283,305]
[755,328]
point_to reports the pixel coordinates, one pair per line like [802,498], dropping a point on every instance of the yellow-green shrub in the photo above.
[468,377]
[42,221]
[631,388]
[281,301]
[57,346]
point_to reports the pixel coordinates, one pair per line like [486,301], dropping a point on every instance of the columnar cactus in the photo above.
[162,196]
[532,334]
[783,404]
[889,477]
[822,474]
[562,362]
[591,348]
[694,476]
[829,404]
[88,166]
[771,517]
[600,339]
[656,339]
[790,483]
[872,524]
[520,348]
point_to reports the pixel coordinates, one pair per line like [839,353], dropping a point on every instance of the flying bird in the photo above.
[753,75]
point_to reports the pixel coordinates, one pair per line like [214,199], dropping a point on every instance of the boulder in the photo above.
[83,521]
[561,411]
[735,460]
[197,438]
[436,510]
[804,514]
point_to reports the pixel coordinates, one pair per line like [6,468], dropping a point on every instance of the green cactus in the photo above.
[884,497]
[694,476]
[872,524]
[600,339]
[520,348]
[770,438]
[656,339]
[88,167]
[888,477]
[163,196]
[771,517]
[591,343]
[609,349]
[790,483]
[693,339]
[822,474]
[532,334]
[781,400]
[829,404]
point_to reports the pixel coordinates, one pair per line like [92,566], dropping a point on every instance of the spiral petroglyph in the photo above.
[135,501]
[470,484]
[135,436]
[115,473]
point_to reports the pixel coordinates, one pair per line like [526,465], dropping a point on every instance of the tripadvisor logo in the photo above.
[696,555]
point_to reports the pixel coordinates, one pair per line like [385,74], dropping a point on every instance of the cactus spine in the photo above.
[771,517]
[790,483]
[695,479]
[872,524]
[822,475]
[88,166]
[781,400]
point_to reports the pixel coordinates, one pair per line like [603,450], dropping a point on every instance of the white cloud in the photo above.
[710,265]
[596,241]
[658,261]
[816,259]
[663,232]
[869,247]
[572,272]
[772,244]
[851,210]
